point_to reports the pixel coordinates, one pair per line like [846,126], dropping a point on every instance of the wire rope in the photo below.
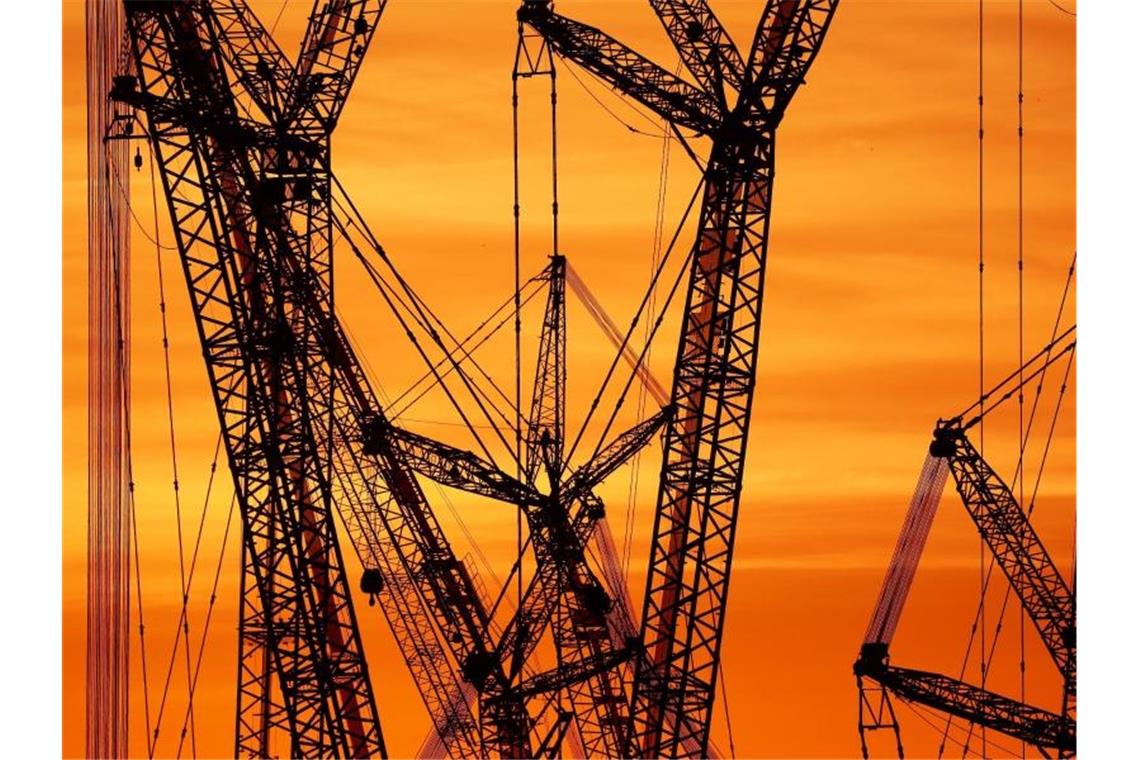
[277,20]
[1028,514]
[416,343]
[183,631]
[633,325]
[120,351]
[983,579]
[655,256]
[415,305]
[673,128]
[920,710]
[418,312]
[1062,9]
[109,526]
[209,616]
[1021,435]
[1029,426]
[519,469]
[481,396]
[612,113]
[397,410]
[727,712]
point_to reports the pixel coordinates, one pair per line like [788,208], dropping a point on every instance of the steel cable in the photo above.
[634,322]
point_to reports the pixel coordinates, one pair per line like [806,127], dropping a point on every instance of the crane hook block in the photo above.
[872,658]
[477,666]
[372,581]
[124,87]
[375,434]
[943,445]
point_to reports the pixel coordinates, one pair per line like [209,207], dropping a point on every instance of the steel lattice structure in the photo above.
[235,190]
[241,137]
[715,371]
[1043,593]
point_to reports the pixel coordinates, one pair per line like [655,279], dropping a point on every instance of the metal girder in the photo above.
[567,675]
[704,453]
[788,38]
[703,44]
[579,624]
[457,468]
[564,592]
[1018,551]
[585,512]
[394,536]
[259,66]
[1042,591]
[336,397]
[366,510]
[1041,728]
[336,38]
[715,371]
[430,564]
[298,618]
[673,98]
[546,424]
[306,98]
[613,456]
[576,598]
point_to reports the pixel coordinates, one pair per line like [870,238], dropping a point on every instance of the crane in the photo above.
[242,140]
[1034,578]
[589,616]
[302,668]
[250,196]
[715,371]
[241,137]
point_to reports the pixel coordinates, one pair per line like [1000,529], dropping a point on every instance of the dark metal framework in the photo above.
[588,614]
[241,135]
[715,372]
[249,206]
[1042,591]
[261,215]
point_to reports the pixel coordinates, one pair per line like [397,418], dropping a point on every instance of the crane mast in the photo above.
[241,137]
[301,664]
[715,370]
[581,603]
[589,616]
[250,200]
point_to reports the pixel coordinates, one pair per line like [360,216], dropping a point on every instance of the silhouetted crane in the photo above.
[715,372]
[1043,592]
[241,138]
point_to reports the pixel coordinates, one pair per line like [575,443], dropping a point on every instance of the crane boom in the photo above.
[1033,577]
[297,621]
[1041,728]
[703,44]
[331,53]
[245,186]
[1042,590]
[715,371]
[676,100]
[242,140]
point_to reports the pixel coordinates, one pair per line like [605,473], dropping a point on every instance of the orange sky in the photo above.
[870,329]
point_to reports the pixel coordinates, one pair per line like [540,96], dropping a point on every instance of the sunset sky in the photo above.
[869,332]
